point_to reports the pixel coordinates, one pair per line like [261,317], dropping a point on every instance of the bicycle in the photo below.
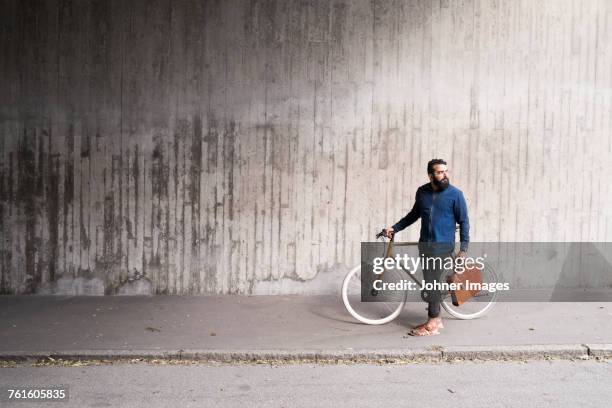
[381,312]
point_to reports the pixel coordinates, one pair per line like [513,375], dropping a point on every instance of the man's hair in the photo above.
[432,163]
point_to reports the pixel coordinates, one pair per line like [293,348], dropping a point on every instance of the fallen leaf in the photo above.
[152,329]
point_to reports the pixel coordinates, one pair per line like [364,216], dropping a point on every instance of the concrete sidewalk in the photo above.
[286,327]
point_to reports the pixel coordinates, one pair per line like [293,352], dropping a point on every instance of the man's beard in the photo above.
[441,184]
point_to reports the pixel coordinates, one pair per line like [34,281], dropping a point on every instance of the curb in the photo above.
[306,356]
[565,351]
[234,356]
[600,350]
[523,352]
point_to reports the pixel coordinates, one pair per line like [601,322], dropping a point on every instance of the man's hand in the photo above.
[460,254]
[389,232]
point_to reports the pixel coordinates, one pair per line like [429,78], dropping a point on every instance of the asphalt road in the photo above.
[559,383]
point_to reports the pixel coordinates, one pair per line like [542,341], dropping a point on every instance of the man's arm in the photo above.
[410,218]
[461,217]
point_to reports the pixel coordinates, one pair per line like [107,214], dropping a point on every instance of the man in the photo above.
[440,207]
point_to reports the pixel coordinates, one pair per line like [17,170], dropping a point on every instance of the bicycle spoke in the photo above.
[355,284]
[387,306]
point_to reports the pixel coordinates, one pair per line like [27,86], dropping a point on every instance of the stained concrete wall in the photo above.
[249,146]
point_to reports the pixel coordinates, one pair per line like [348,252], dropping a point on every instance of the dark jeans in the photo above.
[433,268]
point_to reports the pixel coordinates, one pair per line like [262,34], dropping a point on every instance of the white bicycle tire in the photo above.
[450,308]
[466,316]
[356,315]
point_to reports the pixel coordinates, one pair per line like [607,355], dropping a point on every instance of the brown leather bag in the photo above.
[460,296]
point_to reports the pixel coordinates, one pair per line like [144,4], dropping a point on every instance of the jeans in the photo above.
[433,269]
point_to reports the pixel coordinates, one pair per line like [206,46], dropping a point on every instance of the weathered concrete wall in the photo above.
[249,146]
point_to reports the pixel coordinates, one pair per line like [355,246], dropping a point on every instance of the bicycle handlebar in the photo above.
[382,234]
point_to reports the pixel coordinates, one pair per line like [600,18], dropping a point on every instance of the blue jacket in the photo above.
[439,211]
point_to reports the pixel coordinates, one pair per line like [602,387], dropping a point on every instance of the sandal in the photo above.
[422,330]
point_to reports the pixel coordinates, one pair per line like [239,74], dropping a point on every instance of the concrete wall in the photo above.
[249,146]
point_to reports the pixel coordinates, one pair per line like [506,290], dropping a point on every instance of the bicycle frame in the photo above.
[377,318]
[388,253]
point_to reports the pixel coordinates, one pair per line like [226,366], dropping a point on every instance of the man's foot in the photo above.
[430,328]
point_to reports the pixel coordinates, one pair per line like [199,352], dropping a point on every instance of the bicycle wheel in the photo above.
[477,306]
[369,312]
